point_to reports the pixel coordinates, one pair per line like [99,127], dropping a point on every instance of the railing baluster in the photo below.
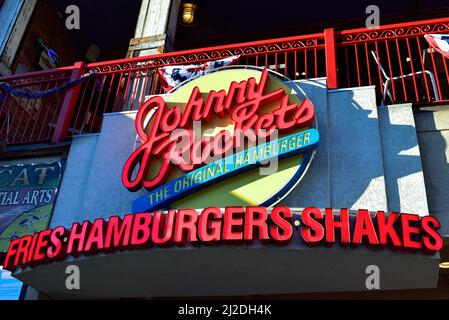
[447,75]
[115,105]
[105,106]
[14,114]
[22,113]
[401,70]
[276,62]
[38,121]
[368,69]
[153,83]
[22,138]
[413,69]
[381,83]
[97,105]
[357,64]
[7,118]
[80,105]
[142,96]
[423,69]
[88,109]
[296,64]
[55,115]
[306,69]
[3,104]
[393,87]
[136,85]
[53,119]
[347,68]
[285,64]
[436,73]
[109,91]
[124,106]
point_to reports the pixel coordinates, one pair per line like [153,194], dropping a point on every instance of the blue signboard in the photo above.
[160,197]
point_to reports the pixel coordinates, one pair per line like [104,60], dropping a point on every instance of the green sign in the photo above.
[27,195]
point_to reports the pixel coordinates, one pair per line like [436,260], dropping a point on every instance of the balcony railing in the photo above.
[350,58]
[32,120]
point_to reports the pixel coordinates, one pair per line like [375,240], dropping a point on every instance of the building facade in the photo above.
[360,120]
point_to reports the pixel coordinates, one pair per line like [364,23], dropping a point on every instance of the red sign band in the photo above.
[231,225]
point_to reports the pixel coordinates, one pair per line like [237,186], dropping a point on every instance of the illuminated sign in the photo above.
[232,225]
[247,118]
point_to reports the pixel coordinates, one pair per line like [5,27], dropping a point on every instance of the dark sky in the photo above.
[111,24]
[222,22]
[108,24]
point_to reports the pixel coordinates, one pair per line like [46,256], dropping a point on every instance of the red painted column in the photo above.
[68,105]
[331,58]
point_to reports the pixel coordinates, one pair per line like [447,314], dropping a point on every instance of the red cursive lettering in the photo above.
[242,104]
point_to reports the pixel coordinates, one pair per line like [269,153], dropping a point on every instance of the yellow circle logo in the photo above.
[234,137]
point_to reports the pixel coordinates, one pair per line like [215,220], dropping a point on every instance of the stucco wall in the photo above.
[406,190]
[433,136]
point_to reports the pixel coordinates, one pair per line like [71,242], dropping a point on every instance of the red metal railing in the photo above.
[350,58]
[405,57]
[31,120]
[123,84]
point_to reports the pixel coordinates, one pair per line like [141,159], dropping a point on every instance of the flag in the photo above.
[171,76]
[440,42]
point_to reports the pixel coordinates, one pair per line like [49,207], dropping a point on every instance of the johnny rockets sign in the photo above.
[248,118]
[215,131]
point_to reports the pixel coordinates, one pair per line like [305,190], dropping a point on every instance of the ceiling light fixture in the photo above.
[189,11]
